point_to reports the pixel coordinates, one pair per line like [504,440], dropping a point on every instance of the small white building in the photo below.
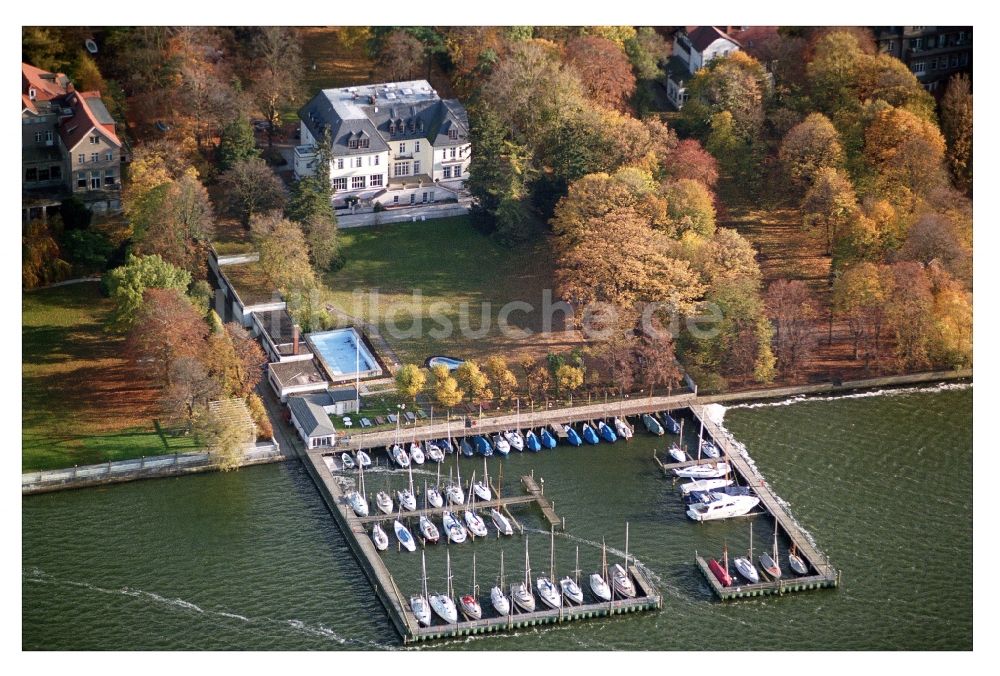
[694,48]
[395,143]
[311,422]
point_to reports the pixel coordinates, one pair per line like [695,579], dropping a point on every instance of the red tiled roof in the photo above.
[74,129]
[703,36]
[46,89]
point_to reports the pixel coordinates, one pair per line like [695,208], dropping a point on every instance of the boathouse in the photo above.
[312,422]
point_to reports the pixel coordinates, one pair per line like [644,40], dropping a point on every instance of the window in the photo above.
[375,180]
[425,197]
[357,182]
[340,162]
[934,63]
[357,162]
[95,157]
[432,195]
[81,179]
[363,143]
[413,198]
[395,199]
[401,169]
[965,58]
[31,174]
[376,160]
[453,134]
[94,140]
[95,180]
[954,61]
[402,148]
[109,156]
[352,143]
[447,172]
[109,177]
[38,137]
[81,158]
[916,44]
[458,172]
[453,153]
[918,67]
[416,146]
[416,167]
[340,184]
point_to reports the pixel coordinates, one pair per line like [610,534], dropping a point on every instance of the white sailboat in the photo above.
[380,539]
[475,523]
[722,506]
[744,564]
[623,428]
[769,562]
[620,580]
[550,594]
[454,491]
[442,604]
[404,536]
[416,454]
[598,583]
[677,453]
[434,498]
[407,500]
[399,456]
[429,530]
[418,603]
[515,440]
[364,459]
[469,603]
[434,452]
[357,498]
[346,461]
[520,592]
[714,470]
[796,563]
[384,502]
[500,602]
[704,485]
[501,522]
[570,585]
[453,528]
[500,444]
[482,488]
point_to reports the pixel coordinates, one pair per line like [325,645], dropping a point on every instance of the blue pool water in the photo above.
[337,350]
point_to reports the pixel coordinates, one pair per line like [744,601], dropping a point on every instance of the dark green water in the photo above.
[253,560]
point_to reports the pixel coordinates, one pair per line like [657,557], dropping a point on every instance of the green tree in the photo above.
[568,379]
[410,381]
[502,379]
[236,142]
[472,380]
[446,391]
[809,146]
[127,284]
[44,48]
[829,204]
[225,433]
[284,253]
[690,207]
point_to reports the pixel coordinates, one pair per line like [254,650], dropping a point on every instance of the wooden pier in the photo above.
[824,574]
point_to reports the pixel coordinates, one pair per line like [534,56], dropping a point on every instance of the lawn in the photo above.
[82,401]
[447,263]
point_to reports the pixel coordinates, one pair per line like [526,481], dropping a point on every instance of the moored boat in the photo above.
[652,425]
[407,500]
[744,564]
[796,563]
[714,470]
[588,434]
[572,437]
[606,432]
[429,530]
[501,522]
[721,506]
[483,447]
[705,485]
[598,581]
[453,528]
[358,503]
[500,445]
[346,461]
[442,604]
[769,562]
[416,454]
[721,571]
[434,497]
[469,603]
[467,449]
[621,582]
[709,449]
[446,446]
[384,502]
[364,459]
[532,442]
[404,537]
[677,453]
[380,539]
[548,439]
[434,452]
[548,592]
[399,456]
[418,603]
[624,429]
[475,523]
[515,440]
[520,592]
[671,424]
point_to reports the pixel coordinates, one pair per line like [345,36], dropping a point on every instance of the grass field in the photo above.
[448,263]
[82,401]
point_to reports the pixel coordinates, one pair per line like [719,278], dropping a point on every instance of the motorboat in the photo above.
[572,437]
[796,563]
[694,497]
[475,523]
[384,502]
[407,500]
[346,461]
[532,442]
[403,535]
[714,470]
[548,592]
[364,459]
[467,449]
[548,439]
[429,530]
[469,604]
[358,503]
[624,429]
[442,604]
[454,528]
[418,603]
[571,590]
[483,447]
[670,424]
[652,425]
[434,498]
[606,433]
[434,452]
[709,449]
[515,440]
[500,445]
[677,453]
[705,485]
[501,522]
[721,506]
[520,592]
[380,539]
[399,456]
[589,435]
[621,582]
[416,454]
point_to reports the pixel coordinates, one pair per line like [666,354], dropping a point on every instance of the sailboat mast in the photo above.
[626,545]
[577,571]
[552,552]
[474,589]
[423,566]
[604,559]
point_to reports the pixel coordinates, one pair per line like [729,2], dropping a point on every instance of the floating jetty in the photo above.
[823,575]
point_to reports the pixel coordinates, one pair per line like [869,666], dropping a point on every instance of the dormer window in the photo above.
[453,134]
[32,93]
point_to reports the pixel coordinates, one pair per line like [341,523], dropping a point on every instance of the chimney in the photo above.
[295,339]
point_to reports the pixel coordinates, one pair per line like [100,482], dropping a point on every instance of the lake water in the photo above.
[253,559]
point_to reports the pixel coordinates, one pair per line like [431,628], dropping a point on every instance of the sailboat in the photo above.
[547,590]
[714,470]
[454,491]
[606,432]
[469,603]
[598,583]
[721,571]
[500,602]
[521,591]
[671,425]
[407,500]
[624,429]
[588,434]
[418,604]
[532,442]
[466,447]
[482,488]
[346,461]
[571,586]
[501,445]
[403,535]
[501,522]
[445,444]
[620,580]
[442,604]
[364,459]
[453,528]
[769,562]
[483,447]
[357,498]
[515,440]
[433,493]
[434,452]
[380,539]
[677,453]
[399,456]
[702,485]
[429,530]
[548,439]
[416,454]
[708,449]
[796,563]
[572,437]
[652,425]
[384,502]
[475,523]
[744,564]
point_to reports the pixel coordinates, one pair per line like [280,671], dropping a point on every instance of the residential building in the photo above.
[311,422]
[69,146]
[694,48]
[397,143]
[932,53]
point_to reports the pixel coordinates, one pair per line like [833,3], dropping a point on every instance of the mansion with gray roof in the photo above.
[396,143]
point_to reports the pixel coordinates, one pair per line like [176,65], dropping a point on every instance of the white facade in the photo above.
[691,54]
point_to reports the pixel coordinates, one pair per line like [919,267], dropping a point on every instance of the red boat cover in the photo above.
[719,573]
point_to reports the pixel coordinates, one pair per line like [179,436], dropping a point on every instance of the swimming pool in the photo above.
[343,354]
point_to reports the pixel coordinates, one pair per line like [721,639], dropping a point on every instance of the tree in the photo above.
[446,392]
[656,363]
[472,380]
[86,75]
[934,237]
[604,70]
[166,329]
[503,380]
[40,256]
[277,72]
[951,337]
[859,296]
[736,84]
[237,142]
[956,123]
[568,379]
[127,285]
[284,254]
[252,188]
[809,146]
[793,310]
[905,152]
[44,48]
[410,381]
[690,207]
[191,388]
[260,418]
[829,204]
[909,309]
[236,360]
[688,159]
[400,56]
[646,50]
[311,204]
[179,226]
[225,433]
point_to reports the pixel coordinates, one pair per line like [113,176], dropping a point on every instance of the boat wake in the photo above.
[800,398]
